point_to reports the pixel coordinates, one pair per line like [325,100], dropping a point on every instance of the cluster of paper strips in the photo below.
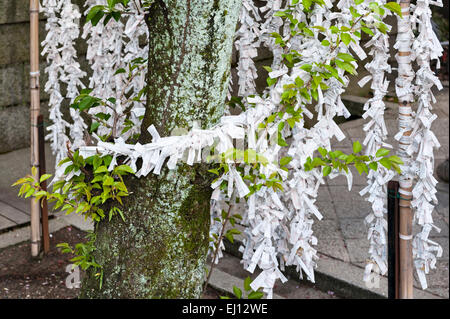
[63,68]
[279,231]
[376,134]
[426,47]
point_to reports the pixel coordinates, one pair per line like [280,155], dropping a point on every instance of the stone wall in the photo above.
[14,74]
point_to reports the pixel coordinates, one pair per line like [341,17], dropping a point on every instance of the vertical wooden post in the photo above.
[34,112]
[393,240]
[405,96]
[44,206]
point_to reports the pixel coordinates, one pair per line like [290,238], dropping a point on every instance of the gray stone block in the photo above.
[326,229]
[15,124]
[16,11]
[353,228]
[5,223]
[341,193]
[352,209]
[358,250]
[15,46]
[14,84]
[334,248]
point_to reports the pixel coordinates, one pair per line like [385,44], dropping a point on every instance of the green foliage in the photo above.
[394,7]
[84,257]
[249,292]
[337,160]
[108,12]
[85,193]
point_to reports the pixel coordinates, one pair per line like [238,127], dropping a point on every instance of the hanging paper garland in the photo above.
[58,46]
[426,47]
[376,135]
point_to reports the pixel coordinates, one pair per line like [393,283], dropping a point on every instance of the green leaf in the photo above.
[308,32]
[237,292]
[395,159]
[291,121]
[229,237]
[345,66]
[285,160]
[255,295]
[247,283]
[386,162]
[394,7]
[325,43]
[95,20]
[326,171]
[322,151]
[116,15]
[214,171]
[345,57]
[123,169]
[234,231]
[279,14]
[359,167]
[396,167]
[93,12]
[101,169]
[103,116]
[346,38]
[382,27]
[108,181]
[373,166]
[306,67]
[87,102]
[44,177]
[94,127]
[357,147]
[119,71]
[367,30]
[382,152]
[299,82]
[281,141]
[307,4]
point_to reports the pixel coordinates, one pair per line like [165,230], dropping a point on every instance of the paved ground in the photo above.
[342,239]
[15,211]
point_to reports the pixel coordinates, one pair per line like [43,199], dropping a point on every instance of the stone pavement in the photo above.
[15,211]
[342,235]
[342,241]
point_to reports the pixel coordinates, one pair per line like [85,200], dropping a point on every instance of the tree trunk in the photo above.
[160,250]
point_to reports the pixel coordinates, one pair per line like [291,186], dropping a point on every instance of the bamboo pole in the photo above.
[404,94]
[34,112]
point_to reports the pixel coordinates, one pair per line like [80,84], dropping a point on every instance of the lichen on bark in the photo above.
[160,249]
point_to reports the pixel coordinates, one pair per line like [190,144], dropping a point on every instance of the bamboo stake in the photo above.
[404,94]
[34,112]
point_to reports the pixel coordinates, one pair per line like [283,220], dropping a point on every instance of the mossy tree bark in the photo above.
[160,250]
